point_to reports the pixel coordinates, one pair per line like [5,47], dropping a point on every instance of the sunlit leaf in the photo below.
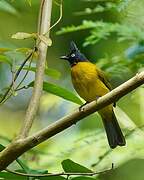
[98,9]
[71,166]
[10,176]
[3,50]
[59,91]
[48,71]
[102,30]
[23,35]
[85,25]
[23,50]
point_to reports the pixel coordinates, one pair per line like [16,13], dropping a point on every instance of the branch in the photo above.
[17,148]
[6,95]
[44,25]
[60,174]
[60,16]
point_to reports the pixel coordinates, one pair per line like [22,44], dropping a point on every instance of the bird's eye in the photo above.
[73,55]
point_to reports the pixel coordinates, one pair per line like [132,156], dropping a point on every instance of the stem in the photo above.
[60,174]
[17,148]
[4,98]
[24,77]
[60,17]
[44,25]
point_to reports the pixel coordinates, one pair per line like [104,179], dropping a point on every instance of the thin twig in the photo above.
[41,37]
[102,157]
[60,17]
[106,153]
[6,95]
[23,87]
[60,174]
[24,77]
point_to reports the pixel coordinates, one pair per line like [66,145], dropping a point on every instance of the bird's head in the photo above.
[74,56]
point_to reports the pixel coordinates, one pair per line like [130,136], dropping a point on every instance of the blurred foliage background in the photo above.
[111,34]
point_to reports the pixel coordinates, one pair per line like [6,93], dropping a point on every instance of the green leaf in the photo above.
[105,6]
[1,147]
[98,9]
[10,176]
[3,50]
[59,91]
[52,178]
[70,166]
[48,71]
[85,25]
[38,171]
[28,170]
[23,165]
[23,50]
[23,35]
[53,73]
[5,6]
[102,30]
[5,59]
[29,2]
[84,178]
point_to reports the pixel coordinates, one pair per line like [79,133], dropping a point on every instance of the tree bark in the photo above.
[43,28]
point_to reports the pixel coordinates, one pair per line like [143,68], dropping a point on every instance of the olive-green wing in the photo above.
[104,79]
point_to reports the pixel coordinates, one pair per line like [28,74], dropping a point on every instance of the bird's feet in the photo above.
[81,107]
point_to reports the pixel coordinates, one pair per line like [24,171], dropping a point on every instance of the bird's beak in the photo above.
[64,57]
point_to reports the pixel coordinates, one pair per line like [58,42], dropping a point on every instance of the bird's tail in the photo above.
[113,131]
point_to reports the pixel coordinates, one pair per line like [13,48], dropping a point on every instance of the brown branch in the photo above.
[60,174]
[17,148]
[44,25]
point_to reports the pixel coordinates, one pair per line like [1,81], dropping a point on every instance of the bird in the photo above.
[90,83]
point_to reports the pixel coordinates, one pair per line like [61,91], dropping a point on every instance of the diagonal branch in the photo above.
[44,25]
[17,148]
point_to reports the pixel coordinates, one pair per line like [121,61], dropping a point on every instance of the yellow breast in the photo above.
[86,81]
